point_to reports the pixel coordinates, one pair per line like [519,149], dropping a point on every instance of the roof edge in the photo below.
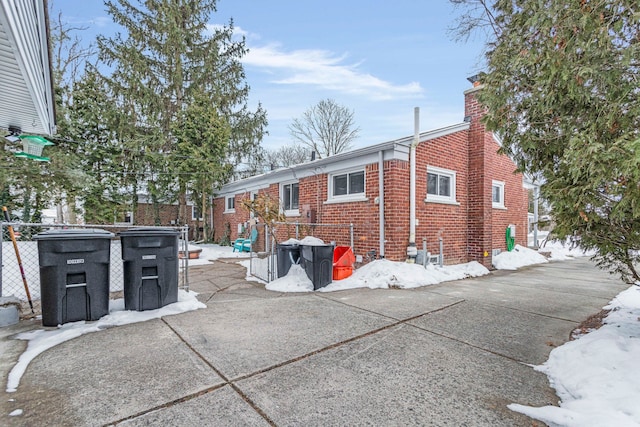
[265,179]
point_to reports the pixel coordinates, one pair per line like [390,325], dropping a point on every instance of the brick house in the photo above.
[466,193]
[168,213]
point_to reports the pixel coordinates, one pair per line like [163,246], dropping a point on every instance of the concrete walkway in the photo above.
[452,354]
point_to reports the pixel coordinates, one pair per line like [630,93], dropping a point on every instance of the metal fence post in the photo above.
[185,264]
[1,251]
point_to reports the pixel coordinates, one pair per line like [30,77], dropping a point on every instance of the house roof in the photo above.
[27,100]
[395,149]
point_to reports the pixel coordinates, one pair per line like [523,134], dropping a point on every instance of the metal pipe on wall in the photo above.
[412,251]
[381,199]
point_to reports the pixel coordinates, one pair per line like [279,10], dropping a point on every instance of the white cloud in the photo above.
[102,21]
[326,70]
[237,31]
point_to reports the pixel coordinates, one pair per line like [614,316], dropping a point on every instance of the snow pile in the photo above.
[311,241]
[380,274]
[389,274]
[290,242]
[41,340]
[597,375]
[518,257]
[295,281]
[563,251]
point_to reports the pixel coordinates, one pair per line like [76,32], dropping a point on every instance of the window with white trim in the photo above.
[348,185]
[290,195]
[127,218]
[497,194]
[441,185]
[195,213]
[230,204]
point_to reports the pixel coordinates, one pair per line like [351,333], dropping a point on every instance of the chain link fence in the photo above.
[263,263]
[11,280]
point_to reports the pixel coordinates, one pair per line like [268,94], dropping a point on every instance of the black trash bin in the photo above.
[317,261]
[150,270]
[74,274]
[287,255]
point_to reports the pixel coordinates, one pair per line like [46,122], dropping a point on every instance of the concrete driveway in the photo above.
[452,354]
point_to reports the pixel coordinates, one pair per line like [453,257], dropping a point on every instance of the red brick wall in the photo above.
[469,228]
[487,225]
[437,220]
[168,213]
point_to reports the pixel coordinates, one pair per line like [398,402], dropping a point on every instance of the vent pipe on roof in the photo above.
[313,155]
[412,251]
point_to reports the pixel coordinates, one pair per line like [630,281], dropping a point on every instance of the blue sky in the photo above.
[378,58]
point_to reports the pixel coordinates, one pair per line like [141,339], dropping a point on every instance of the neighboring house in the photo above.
[168,214]
[466,193]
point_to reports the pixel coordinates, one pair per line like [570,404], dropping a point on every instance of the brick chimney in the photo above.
[479,227]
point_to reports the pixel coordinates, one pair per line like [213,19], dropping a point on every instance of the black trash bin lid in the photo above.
[74,233]
[149,231]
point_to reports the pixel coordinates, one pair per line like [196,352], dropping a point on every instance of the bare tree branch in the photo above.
[327,128]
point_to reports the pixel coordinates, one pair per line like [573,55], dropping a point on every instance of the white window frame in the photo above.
[500,186]
[124,216]
[226,204]
[434,198]
[354,197]
[193,213]
[289,212]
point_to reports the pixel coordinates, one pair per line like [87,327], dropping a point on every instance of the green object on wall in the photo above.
[511,240]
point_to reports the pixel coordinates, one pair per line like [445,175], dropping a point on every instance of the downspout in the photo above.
[381,199]
[212,229]
[536,197]
[412,251]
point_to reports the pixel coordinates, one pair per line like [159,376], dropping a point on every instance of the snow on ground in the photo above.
[211,252]
[295,281]
[518,257]
[389,274]
[41,339]
[597,376]
[563,251]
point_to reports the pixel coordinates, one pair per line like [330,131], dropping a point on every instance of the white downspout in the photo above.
[381,199]
[412,251]
[536,197]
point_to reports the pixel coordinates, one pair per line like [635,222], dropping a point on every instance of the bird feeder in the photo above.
[32,146]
